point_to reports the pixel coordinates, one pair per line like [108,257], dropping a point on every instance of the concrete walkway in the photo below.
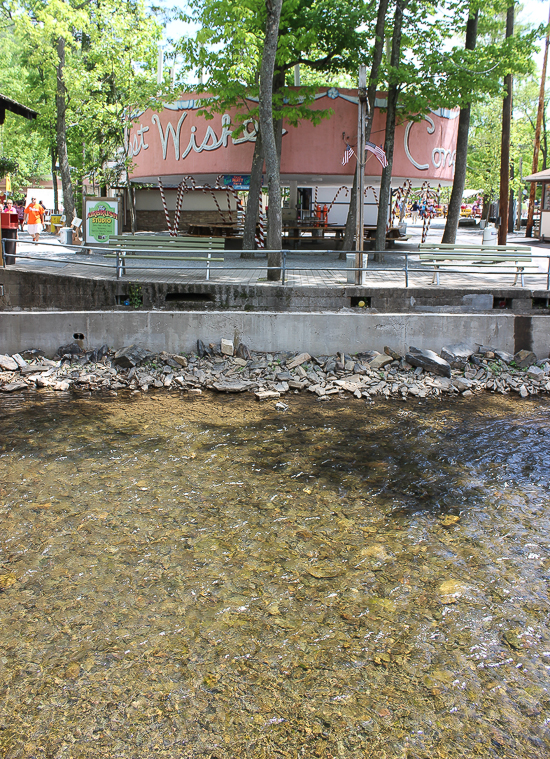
[306,268]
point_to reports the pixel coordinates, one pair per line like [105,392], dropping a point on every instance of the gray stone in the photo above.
[535,372]
[456,354]
[35,369]
[20,361]
[302,358]
[72,349]
[130,356]
[180,360]
[8,364]
[461,383]
[240,361]
[390,352]
[266,395]
[231,387]
[429,361]
[243,352]
[227,347]
[524,393]
[284,376]
[202,350]
[503,356]
[378,362]
[12,387]
[525,358]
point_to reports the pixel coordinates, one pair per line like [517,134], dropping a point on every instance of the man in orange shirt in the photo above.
[34,213]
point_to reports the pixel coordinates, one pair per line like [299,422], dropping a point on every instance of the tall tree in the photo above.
[455,202]
[505,141]
[267,70]
[391,116]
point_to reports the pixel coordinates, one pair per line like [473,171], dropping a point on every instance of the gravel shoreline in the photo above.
[458,370]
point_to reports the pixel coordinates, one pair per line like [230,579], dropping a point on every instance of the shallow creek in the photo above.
[211,577]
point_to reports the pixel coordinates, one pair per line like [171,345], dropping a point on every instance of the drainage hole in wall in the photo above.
[540,303]
[78,336]
[502,302]
[360,302]
[189,297]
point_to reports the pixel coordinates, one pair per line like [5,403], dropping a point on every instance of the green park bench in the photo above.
[445,255]
[165,246]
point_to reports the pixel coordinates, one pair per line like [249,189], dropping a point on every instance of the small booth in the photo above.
[544,225]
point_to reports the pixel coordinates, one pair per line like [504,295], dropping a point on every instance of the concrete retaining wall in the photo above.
[317,333]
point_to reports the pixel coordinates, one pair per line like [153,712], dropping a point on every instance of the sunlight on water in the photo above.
[214,578]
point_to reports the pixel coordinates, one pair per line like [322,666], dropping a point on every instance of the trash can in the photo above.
[10,223]
[66,235]
[490,236]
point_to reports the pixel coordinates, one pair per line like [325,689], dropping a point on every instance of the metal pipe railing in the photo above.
[121,261]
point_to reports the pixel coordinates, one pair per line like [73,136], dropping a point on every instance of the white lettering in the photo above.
[169,131]
[209,142]
[430,129]
[440,156]
[138,146]
[248,136]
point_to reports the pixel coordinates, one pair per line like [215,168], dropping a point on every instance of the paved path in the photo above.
[307,268]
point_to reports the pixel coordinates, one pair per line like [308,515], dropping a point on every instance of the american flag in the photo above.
[378,152]
[347,155]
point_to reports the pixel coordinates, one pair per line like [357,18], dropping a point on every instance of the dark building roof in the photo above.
[7,104]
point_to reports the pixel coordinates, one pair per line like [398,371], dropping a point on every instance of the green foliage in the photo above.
[8,166]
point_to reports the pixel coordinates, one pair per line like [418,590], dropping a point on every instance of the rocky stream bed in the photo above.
[224,368]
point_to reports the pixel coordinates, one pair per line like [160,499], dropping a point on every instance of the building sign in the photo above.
[101,220]
[237,181]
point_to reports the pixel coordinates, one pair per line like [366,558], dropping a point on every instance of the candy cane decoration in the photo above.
[182,189]
[161,188]
[240,208]
[343,187]
[207,188]
[370,187]
[260,235]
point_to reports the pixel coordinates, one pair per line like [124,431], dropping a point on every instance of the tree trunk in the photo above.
[61,134]
[53,156]
[391,114]
[252,206]
[505,141]
[377,54]
[274,229]
[453,213]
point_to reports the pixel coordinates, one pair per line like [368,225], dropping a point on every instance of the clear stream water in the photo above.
[212,578]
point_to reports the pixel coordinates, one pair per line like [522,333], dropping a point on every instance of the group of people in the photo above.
[422,210]
[32,216]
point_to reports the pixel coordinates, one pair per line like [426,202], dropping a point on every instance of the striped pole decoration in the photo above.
[182,189]
[370,187]
[207,188]
[161,188]
[260,234]
[343,187]
[240,207]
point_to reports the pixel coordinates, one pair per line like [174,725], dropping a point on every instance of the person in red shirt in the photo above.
[34,213]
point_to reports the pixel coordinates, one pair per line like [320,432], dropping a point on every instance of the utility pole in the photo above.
[505,141]
[536,148]
[361,126]
[520,195]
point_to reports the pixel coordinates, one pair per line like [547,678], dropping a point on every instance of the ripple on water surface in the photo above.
[213,578]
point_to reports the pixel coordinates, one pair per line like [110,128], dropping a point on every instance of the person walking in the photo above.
[34,213]
[414,212]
